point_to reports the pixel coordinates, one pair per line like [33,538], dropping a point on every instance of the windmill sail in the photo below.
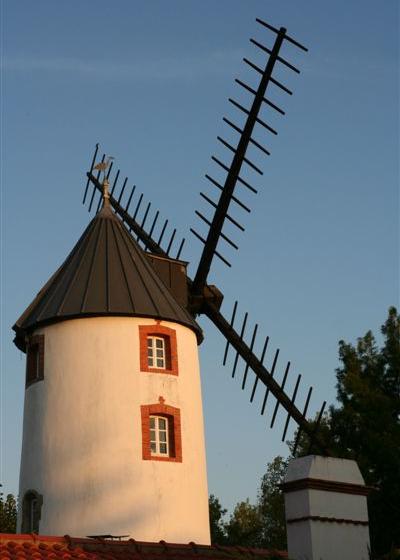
[266,377]
[233,171]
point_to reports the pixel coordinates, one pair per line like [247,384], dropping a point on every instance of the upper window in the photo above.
[35,359]
[158,349]
[159,437]
[156,354]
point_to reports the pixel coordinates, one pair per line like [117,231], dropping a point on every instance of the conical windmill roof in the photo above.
[105,274]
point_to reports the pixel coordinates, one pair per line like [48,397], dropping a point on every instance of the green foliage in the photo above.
[8,514]
[366,425]
[217,526]
[245,525]
[261,525]
[272,505]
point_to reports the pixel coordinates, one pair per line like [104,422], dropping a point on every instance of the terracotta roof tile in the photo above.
[38,547]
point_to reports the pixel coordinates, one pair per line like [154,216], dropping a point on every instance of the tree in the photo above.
[272,505]
[366,425]
[217,525]
[245,526]
[261,525]
[8,514]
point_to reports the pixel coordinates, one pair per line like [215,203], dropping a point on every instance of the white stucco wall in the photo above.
[315,539]
[82,436]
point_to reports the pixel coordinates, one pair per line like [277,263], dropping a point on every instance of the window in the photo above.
[161,432]
[159,444]
[156,355]
[35,359]
[158,349]
[31,512]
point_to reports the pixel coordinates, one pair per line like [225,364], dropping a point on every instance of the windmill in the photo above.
[203,298]
[111,343]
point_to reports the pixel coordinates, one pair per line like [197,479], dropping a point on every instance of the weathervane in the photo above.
[102,167]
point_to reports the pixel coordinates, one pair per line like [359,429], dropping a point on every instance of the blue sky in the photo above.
[150,81]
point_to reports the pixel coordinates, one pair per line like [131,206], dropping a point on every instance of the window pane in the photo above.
[163,436]
[149,342]
[153,447]
[163,448]
[153,435]
[152,422]
[160,362]
[161,423]
[159,343]
[159,353]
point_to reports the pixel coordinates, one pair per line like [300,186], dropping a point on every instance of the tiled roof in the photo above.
[38,547]
[106,273]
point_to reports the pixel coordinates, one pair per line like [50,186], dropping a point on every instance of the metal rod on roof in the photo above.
[162,232]
[154,223]
[245,159]
[255,143]
[171,241]
[122,191]
[281,86]
[293,400]
[144,218]
[138,206]
[286,37]
[253,338]
[264,404]
[253,91]
[234,198]
[145,215]
[130,198]
[241,336]
[246,184]
[299,431]
[233,125]
[261,360]
[115,182]
[219,162]
[180,249]
[231,324]
[316,426]
[282,387]
[91,169]
[279,58]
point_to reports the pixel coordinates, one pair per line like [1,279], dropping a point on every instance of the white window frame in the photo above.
[156,352]
[157,444]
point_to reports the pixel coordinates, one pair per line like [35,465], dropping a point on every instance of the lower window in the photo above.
[159,436]
[161,433]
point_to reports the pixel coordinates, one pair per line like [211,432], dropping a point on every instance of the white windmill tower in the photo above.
[113,436]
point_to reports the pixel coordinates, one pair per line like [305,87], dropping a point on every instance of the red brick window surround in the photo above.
[173,417]
[147,336]
[35,359]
